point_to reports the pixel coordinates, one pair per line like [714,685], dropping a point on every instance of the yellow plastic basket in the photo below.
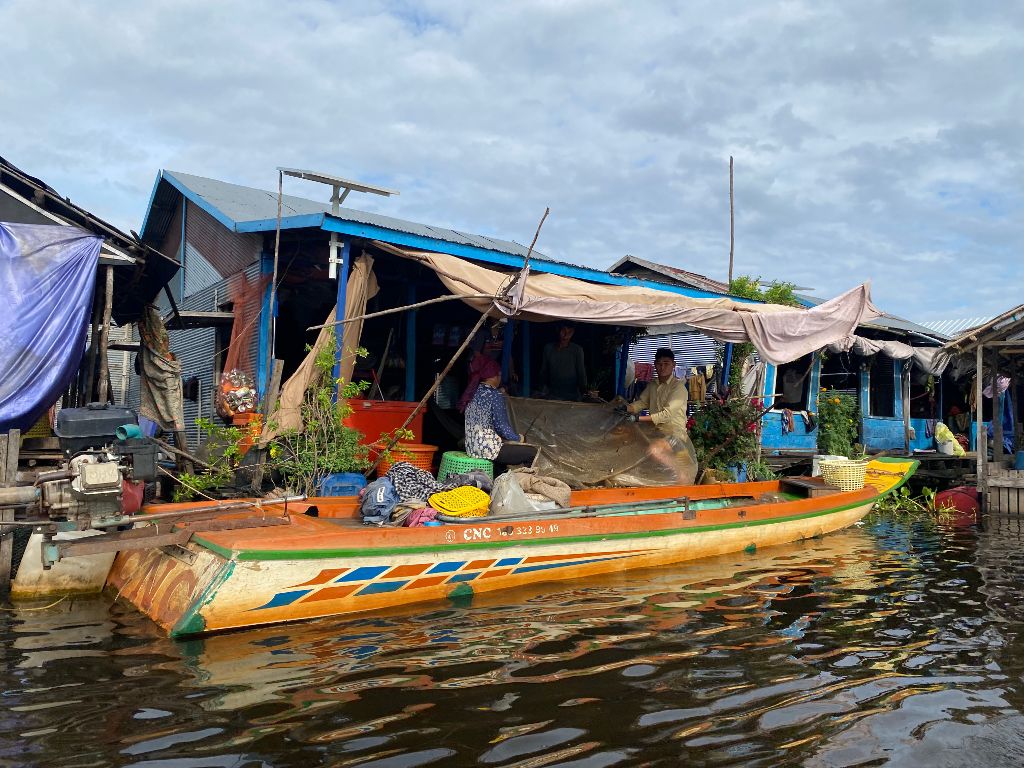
[465,501]
[844,474]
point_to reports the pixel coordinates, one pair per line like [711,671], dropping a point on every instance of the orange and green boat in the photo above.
[319,560]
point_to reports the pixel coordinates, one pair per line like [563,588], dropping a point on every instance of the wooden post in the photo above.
[104,340]
[905,396]
[732,222]
[10,444]
[979,431]
[997,409]
[94,332]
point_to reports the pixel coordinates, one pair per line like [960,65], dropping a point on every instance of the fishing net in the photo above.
[591,445]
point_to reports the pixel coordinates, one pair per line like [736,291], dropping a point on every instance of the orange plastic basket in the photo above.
[417,454]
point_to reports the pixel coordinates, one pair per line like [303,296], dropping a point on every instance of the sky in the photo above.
[873,140]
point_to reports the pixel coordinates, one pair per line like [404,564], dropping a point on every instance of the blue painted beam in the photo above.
[372,232]
[264,361]
[339,333]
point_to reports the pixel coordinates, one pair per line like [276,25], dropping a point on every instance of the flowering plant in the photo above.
[724,432]
[837,422]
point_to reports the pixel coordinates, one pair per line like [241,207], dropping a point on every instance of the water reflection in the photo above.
[898,642]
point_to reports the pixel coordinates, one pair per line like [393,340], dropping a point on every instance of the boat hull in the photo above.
[209,587]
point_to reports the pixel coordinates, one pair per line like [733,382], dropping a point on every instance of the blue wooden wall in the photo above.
[880,433]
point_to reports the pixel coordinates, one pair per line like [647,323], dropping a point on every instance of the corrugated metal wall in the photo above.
[690,348]
[225,251]
[197,348]
[211,251]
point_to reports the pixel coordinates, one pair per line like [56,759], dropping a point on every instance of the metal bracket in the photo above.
[688,514]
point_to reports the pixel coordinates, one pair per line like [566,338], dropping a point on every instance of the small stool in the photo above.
[458,463]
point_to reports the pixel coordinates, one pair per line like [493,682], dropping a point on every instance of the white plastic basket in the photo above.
[844,474]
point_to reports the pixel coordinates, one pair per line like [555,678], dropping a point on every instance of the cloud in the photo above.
[872,141]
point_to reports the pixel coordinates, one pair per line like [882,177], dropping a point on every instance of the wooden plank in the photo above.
[104,352]
[980,448]
[10,444]
[997,409]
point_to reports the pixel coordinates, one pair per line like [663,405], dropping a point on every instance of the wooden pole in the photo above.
[732,221]
[271,320]
[94,332]
[997,409]
[104,342]
[979,439]
[426,397]
[905,397]
[10,443]
[465,343]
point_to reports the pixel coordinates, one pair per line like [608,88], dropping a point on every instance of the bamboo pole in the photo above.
[997,409]
[271,319]
[732,221]
[462,348]
[104,340]
[426,397]
[403,308]
[94,332]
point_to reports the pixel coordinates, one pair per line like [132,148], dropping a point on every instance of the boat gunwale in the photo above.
[850,501]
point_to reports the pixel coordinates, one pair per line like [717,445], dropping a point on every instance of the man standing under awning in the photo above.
[665,401]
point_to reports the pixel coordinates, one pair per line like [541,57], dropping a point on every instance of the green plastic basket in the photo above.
[457,463]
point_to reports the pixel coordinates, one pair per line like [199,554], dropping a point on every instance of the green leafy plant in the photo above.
[902,503]
[222,449]
[760,470]
[724,432]
[837,422]
[748,287]
[326,445]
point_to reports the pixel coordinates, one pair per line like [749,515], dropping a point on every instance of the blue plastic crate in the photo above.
[342,484]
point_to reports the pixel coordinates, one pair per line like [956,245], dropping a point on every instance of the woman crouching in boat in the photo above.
[489,434]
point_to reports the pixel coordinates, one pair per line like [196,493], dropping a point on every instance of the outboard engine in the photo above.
[107,463]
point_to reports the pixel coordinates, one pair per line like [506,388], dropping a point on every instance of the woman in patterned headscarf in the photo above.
[487,423]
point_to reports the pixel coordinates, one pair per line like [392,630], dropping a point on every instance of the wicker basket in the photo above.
[844,474]
[465,501]
[417,454]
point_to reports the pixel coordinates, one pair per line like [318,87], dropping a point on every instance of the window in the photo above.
[882,386]
[792,384]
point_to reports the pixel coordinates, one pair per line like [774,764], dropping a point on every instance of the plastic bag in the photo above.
[946,442]
[508,498]
[236,394]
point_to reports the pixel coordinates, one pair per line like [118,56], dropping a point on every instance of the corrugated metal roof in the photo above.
[889,322]
[246,205]
[683,276]
[956,327]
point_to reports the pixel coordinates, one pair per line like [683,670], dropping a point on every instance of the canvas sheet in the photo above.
[780,334]
[590,445]
[47,279]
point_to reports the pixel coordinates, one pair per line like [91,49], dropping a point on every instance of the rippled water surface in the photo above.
[892,643]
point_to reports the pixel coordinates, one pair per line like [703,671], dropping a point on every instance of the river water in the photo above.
[897,642]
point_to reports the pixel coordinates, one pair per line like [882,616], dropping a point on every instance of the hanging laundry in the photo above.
[787,421]
[697,385]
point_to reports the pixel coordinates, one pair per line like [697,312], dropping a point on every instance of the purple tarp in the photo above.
[47,278]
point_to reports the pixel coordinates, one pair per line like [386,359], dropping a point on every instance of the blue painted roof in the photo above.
[245,209]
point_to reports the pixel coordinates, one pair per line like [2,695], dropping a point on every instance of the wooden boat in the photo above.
[331,564]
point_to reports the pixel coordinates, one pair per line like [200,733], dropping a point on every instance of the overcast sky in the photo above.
[873,140]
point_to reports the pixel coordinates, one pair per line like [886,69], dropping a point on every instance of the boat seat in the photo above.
[810,487]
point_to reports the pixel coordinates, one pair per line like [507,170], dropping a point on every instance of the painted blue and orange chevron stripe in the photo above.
[338,583]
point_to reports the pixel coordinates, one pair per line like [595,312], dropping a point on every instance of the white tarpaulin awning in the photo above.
[930,359]
[780,334]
